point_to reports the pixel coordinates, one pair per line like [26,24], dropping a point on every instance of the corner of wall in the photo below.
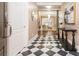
[32,39]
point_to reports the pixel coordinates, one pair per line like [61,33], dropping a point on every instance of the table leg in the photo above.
[58,34]
[73,42]
[62,36]
[66,41]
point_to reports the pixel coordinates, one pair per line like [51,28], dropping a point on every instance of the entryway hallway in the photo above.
[39,29]
[46,46]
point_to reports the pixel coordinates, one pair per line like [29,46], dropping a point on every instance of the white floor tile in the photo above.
[34,49]
[45,49]
[55,49]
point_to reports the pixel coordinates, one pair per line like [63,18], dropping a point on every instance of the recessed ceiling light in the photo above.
[48,7]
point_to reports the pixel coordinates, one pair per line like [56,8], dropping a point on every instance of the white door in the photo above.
[17,19]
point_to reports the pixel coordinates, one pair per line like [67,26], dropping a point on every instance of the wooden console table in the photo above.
[73,39]
[66,34]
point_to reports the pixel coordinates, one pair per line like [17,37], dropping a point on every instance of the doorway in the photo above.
[48,23]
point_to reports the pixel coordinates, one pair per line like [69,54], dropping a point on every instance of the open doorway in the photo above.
[48,23]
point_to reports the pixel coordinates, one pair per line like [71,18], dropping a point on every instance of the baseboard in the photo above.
[28,42]
[33,38]
[77,48]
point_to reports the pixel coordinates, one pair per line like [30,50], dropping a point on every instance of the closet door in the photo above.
[1,28]
[17,21]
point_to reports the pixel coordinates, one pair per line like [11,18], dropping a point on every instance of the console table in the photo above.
[66,38]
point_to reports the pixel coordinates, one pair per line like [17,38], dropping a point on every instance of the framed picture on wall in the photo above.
[70,14]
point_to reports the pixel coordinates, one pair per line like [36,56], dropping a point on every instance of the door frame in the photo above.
[5,28]
[47,17]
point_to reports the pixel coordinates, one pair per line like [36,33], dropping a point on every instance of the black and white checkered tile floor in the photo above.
[46,46]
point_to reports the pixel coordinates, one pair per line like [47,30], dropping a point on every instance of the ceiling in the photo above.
[54,5]
[48,3]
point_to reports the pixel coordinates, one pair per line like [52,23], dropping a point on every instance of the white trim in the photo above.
[77,47]
[32,39]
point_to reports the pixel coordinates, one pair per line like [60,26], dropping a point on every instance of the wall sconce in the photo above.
[34,15]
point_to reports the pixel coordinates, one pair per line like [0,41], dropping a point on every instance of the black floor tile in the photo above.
[74,53]
[56,40]
[40,46]
[41,42]
[34,42]
[30,47]
[51,42]
[26,53]
[38,53]
[50,53]
[63,53]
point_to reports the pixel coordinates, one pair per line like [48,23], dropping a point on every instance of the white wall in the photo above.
[18,19]
[33,25]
